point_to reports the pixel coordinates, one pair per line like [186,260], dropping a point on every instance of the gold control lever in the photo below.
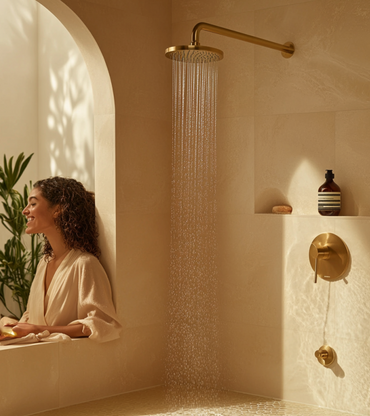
[326,356]
[319,252]
[329,256]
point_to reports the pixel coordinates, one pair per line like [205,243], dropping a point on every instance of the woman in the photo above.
[71,293]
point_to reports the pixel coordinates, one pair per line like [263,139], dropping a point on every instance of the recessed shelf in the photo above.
[359,217]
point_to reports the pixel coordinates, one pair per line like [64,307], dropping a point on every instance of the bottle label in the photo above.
[329,201]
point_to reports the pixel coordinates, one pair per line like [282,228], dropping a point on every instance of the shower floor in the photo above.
[153,402]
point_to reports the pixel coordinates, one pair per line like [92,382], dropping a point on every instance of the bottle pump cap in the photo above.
[329,174]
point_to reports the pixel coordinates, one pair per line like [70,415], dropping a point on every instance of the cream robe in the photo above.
[79,292]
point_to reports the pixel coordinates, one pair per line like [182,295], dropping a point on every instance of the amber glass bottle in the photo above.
[329,196]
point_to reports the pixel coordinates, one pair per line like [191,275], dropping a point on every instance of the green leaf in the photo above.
[17,262]
[23,167]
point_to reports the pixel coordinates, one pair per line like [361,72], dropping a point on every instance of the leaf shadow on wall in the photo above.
[66,121]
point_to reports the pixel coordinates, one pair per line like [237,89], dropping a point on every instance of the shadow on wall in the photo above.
[66,124]
[47,102]
[18,115]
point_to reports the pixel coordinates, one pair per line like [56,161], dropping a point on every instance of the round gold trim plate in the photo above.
[288,54]
[333,266]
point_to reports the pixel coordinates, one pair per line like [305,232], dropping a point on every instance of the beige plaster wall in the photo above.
[281,123]
[19,91]
[65,104]
[19,72]
[46,101]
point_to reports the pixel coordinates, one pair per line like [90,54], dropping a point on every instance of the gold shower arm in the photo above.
[287,50]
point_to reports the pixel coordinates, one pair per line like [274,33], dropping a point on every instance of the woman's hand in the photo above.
[23,329]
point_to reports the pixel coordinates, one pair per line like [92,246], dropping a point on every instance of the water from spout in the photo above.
[192,366]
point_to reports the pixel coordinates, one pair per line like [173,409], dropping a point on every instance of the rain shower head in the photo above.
[195,53]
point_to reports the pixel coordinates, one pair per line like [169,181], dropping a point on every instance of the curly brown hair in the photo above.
[76,214]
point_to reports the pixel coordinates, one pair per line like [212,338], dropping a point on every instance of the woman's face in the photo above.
[40,215]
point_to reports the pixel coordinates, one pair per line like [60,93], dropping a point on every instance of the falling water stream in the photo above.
[192,367]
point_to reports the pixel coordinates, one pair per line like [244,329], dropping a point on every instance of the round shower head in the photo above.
[194,54]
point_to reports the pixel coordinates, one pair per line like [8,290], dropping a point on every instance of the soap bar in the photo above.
[7,331]
[282,209]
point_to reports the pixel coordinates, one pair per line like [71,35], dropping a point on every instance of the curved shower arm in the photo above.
[287,49]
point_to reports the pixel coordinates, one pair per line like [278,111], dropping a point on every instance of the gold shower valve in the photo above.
[326,356]
[329,256]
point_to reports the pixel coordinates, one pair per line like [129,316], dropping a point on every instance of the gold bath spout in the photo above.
[326,356]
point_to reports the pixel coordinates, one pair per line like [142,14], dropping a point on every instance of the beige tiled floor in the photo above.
[153,402]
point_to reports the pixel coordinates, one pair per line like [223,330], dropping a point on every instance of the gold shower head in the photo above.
[194,54]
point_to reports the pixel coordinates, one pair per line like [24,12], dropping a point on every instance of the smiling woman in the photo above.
[71,294]
[40,216]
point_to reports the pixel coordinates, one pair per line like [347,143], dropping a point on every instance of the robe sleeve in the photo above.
[25,317]
[95,309]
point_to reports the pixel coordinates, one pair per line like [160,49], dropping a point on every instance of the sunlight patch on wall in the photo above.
[17,16]
[66,132]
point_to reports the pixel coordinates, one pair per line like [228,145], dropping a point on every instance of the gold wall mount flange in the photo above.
[329,257]
[326,356]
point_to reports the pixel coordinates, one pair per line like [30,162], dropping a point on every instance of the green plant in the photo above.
[19,259]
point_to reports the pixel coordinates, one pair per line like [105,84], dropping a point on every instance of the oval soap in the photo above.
[282,209]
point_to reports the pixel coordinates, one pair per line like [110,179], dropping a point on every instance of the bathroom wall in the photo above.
[18,66]
[65,104]
[46,101]
[281,123]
